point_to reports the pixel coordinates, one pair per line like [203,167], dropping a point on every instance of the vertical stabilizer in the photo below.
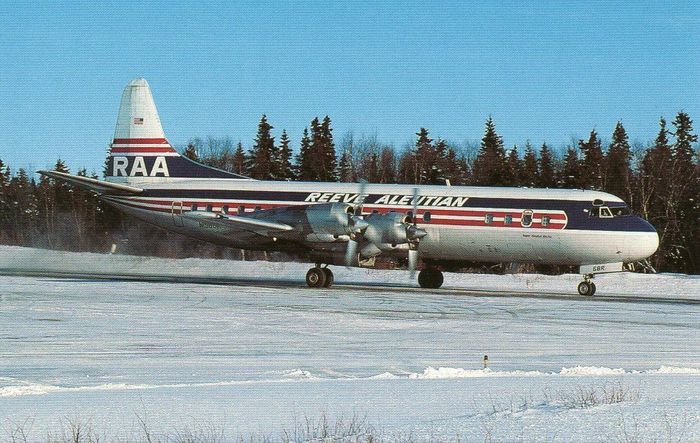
[140,152]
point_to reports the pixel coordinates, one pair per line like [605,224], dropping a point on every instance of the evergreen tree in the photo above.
[593,167]
[240,162]
[655,191]
[570,175]
[345,169]
[490,163]
[455,169]
[328,164]
[425,157]
[305,159]
[514,167]
[262,154]
[683,200]
[546,177]
[24,214]
[436,173]
[618,165]
[530,171]
[5,206]
[284,159]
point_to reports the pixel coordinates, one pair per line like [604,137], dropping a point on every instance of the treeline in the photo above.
[659,180]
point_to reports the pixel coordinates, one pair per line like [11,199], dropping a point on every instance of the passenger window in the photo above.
[526,219]
[224,209]
[241,210]
[427,216]
[194,206]
[409,217]
[508,220]
[488,219]
[257,208]
[545,220]
[209,208]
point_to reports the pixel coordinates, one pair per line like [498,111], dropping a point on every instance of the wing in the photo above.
[100,187]
[266,228]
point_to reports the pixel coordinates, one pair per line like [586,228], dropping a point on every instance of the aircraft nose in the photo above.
[645,242]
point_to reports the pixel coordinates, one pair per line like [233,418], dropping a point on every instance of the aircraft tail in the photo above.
[140,152]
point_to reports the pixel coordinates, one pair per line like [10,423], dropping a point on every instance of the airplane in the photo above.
[351,224]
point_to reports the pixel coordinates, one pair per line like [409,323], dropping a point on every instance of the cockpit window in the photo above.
[620,211]
[608,212]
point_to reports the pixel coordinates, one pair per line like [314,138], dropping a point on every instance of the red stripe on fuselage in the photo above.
[141,150]
[139,141]
[465,212]
[187,204]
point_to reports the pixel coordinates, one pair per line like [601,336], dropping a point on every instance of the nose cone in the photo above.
[645,241]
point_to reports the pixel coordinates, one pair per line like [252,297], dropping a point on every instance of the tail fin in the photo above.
[140,152]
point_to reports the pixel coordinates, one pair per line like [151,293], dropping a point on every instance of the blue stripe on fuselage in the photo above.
[576,210]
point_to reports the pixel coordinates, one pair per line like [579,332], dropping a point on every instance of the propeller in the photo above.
[414,234]
[357,226]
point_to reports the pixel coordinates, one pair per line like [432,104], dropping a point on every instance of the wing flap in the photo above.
[91,184]
[257,226]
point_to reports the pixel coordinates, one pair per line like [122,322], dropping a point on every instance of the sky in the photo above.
[545,71]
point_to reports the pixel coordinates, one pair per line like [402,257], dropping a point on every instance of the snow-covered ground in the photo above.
[256,358]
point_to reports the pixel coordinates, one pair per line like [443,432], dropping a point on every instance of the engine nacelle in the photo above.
[329,220]
[385,231]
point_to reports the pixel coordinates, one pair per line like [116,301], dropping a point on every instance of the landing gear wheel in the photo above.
[329,278]
[586,288]
[316,278]
[430,278]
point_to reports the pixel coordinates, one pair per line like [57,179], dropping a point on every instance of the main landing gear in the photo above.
[319,277]
[430,278]
[586,287]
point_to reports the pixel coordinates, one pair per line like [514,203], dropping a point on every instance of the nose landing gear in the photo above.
[319,277]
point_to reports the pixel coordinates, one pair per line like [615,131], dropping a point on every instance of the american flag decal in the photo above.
[138,121]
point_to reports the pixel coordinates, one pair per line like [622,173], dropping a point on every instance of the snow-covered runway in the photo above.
[256,358]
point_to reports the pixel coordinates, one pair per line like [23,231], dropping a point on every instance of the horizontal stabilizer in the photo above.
[91,184]
[261,227]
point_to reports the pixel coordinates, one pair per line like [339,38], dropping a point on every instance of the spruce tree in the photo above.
[345,169]
[329,164]
[436,173]
[240,162]
[546,177]
[490,163]
[570,175]
[655,191]
[284,158]
[263,152]
[5,206]
[618,178]
[514,167]
[455,168]
[424,153]
[593,166]
[685,189]
[530,171]
[305,159]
